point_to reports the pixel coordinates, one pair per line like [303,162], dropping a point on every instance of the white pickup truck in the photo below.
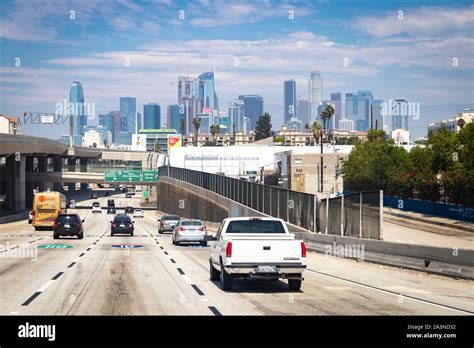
[256,247]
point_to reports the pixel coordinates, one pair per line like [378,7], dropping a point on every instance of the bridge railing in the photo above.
[355,215]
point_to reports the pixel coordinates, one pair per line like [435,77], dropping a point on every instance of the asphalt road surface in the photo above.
[94,278]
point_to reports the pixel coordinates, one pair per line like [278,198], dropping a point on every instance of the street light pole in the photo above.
[322,150]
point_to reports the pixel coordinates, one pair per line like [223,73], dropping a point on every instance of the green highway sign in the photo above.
[149,175]
[130,176]
[122,175]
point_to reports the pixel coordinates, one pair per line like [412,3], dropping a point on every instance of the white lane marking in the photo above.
[205,299]
[187,279]
[45,286]
[76,259]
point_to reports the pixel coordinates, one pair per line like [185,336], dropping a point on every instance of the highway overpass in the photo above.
[44,159]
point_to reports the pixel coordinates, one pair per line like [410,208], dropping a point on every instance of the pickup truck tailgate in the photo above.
[274,250]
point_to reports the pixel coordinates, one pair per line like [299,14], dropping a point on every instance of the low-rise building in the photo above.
[293,137]
[453,124]
[10,125]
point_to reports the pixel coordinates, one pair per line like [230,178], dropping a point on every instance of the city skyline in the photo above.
[417,54]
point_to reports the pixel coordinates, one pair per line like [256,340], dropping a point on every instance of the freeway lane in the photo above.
[160,278]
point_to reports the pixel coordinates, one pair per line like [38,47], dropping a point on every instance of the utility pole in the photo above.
[71,131]
[322,170]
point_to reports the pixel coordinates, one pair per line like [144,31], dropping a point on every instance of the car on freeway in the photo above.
[138,213]
[129,209]
[110,203]
[167,223]
[68,225]
[111,210]
[128,195]
[256,247]
[121,224]
[94,196]
[96,208]
[107,193]
[188,230]
[30,217]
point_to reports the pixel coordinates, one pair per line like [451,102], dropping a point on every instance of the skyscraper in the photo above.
[151,116]
[128,109]
[139,122]
[400,111]
[359,107]
[174,117]
[368,100]
[236,116]
[190,93]
[315,95]
[208,93]
[253,108]
[76,99]
[336,100]
[302,109]
[116,132]
[289,100]
[377,119]
[107,121]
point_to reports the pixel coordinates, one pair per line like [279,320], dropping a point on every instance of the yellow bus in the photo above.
[46,207]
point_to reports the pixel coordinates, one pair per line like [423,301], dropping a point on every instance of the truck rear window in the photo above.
[255,226]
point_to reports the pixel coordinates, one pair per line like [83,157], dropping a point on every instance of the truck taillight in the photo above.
[55,225]
[34,213]
[78,226]
[303,249]
[113,224]
[228,251]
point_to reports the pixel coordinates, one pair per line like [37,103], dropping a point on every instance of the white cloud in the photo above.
[418,22]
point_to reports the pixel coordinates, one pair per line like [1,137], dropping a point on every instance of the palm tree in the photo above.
[325,116]
[215,129]
[197,125]
[316,128]
[182,128]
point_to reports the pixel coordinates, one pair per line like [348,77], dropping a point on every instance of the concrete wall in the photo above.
[191,201]
[199,203]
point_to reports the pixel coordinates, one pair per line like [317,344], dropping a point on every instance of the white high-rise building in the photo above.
[315,95]
[346,125]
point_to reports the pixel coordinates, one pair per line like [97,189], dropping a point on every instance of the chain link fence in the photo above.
[353,215]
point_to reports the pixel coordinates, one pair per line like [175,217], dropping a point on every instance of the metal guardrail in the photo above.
[355,215]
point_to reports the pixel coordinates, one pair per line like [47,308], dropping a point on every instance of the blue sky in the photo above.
[394,48]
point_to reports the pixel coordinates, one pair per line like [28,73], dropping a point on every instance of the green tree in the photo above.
[182,128]
[316,129]
[458,181]
[197,125]
[327,114]
[445,145]
[421,179]
[215,129]
[263,128]
[375,165]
